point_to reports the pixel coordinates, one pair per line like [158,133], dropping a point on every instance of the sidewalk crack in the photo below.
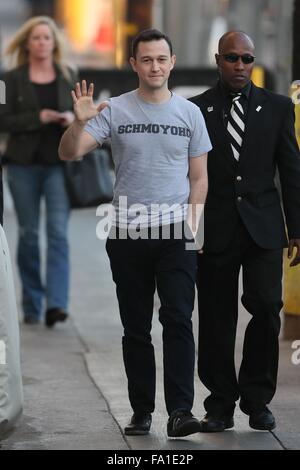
[88,351]
[278,440]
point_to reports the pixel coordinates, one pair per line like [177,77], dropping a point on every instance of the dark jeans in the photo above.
[218,275]
[138,267]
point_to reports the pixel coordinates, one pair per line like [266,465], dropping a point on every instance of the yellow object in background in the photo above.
[79,20]
[297,112]
[291,277]
[95,26]
[258,76]
[291,288]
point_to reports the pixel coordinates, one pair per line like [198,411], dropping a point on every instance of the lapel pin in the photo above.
[210,109]
[258,108]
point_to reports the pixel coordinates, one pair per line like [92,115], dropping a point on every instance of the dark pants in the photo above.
[218,275]
[138,268]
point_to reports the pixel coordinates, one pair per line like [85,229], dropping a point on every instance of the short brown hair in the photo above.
[147,36]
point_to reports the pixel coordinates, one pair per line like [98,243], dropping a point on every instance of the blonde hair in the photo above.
[17,48]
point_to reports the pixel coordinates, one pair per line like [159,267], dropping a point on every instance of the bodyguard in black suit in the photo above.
[252,133]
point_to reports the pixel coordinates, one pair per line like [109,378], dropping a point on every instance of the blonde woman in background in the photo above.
[37,110]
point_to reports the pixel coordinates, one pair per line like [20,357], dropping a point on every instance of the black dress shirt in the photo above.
[227,99]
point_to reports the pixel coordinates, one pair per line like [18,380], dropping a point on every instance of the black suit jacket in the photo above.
[246,188]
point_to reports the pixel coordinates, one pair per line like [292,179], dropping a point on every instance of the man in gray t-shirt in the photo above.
[151,147]
[159,145]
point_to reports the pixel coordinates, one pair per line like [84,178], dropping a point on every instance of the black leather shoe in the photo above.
[262,420]
[182,423]
[139,425]
[55,315]
[31,320]
[215,423]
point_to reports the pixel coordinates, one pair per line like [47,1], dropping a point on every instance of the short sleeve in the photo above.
[100,126]
[200,142]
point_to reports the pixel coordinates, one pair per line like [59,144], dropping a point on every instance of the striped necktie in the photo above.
[236,125]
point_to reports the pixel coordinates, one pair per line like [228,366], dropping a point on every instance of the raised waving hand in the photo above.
[84,106]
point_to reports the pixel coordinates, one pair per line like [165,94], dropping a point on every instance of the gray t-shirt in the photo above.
[151,147]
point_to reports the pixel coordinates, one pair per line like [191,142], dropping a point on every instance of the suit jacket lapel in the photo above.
[216,120]
[255,116]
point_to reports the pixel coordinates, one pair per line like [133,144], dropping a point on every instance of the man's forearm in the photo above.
[198,193]
[70,142]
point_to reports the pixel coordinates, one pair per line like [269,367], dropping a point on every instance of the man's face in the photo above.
[235,75]
[153,63]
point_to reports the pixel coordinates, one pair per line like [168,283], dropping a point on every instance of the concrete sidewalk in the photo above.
[74,380]
[63,408]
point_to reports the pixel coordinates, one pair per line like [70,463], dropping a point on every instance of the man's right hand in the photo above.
[84,107]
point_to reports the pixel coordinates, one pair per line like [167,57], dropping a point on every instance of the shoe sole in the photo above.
[31,322]
[129,432]
[60,317]
[185,430]
[263,428]
[228,426]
